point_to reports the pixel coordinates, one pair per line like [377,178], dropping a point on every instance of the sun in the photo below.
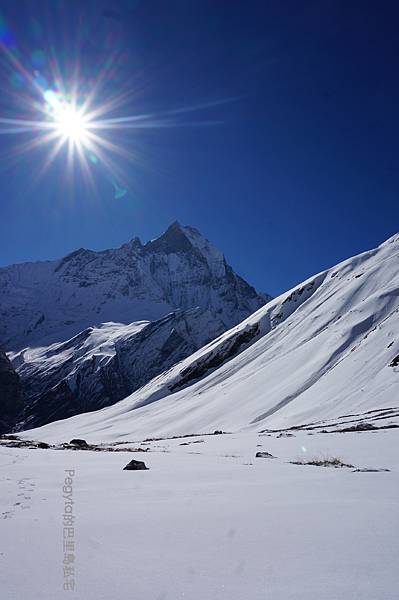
[81,119]
[71,124]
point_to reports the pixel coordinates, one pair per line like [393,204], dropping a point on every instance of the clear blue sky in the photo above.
[298,171]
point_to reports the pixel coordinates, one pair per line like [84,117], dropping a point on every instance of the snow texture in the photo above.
[208,520]
[322,350]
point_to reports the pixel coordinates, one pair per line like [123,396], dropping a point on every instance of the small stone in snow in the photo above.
[135,465]
[264,455]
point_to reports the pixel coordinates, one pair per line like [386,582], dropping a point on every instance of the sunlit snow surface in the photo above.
[319,351]
[207,521]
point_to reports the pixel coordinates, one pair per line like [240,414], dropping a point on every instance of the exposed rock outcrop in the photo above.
[11,400]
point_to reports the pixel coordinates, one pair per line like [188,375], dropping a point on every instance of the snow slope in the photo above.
[46,302]
[207,521]
[324,349]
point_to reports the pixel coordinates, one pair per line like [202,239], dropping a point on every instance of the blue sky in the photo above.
[292,171]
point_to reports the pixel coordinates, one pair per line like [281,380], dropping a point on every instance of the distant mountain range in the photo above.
[87,330]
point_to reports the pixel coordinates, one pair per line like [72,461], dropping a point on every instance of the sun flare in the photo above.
[80,118]
[69,121]
[71,125]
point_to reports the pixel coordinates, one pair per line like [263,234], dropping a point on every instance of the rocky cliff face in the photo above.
[11,403]
[46,302]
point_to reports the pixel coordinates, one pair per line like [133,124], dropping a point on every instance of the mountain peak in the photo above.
[173,240]
[179,269]
[176,225]
[188,240]
[134,243]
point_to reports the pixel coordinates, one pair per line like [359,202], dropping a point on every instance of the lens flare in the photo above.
[60,107]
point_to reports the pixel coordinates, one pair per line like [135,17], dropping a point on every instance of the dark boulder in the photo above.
[264,455]
[79,443]
[43,445]
[135,465]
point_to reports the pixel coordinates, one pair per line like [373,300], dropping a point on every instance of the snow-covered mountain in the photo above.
[327,348]
[104,364]
[46,302]
[86,331]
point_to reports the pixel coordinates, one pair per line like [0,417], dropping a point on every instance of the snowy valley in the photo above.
[270,452]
